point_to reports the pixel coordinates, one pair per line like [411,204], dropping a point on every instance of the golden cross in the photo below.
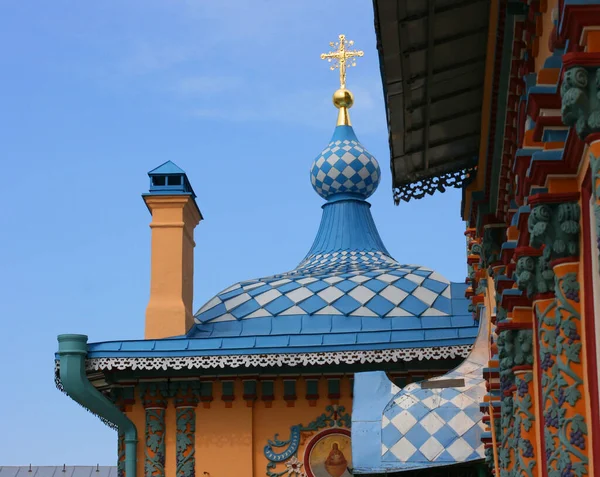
[340,56]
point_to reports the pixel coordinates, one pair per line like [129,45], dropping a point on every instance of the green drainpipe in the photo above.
[72,350]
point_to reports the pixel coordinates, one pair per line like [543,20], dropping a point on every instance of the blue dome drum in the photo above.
[345,166]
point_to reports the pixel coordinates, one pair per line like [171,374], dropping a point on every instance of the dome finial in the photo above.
[342,58]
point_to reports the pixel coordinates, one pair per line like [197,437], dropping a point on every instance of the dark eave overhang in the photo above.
[432,56]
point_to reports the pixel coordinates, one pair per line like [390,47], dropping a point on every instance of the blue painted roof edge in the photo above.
[148,349]
[151,353]
[168,167]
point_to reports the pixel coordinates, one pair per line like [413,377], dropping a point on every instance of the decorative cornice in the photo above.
[275,360]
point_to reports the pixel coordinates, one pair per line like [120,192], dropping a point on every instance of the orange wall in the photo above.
[230,441]
[547,26]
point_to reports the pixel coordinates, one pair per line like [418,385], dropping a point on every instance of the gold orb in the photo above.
[343,98]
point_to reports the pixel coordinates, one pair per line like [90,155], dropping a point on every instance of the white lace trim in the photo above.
[273,360]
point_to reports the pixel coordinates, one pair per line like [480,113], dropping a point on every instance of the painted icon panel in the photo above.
[329,454]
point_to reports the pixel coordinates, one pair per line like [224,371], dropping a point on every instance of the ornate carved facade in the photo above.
[539,190]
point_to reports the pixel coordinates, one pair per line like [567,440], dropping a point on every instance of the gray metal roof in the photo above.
[432,55]
[59,471]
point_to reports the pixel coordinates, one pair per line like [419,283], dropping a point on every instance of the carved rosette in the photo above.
[154,398]
[580,103]
[186,397]
[555,226]
[506,354]
[534,275]
[493,237]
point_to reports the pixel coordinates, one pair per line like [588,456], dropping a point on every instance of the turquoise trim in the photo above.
[72,351]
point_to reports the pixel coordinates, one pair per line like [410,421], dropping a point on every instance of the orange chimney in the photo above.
[175,214]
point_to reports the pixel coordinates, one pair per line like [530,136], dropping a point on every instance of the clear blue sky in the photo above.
[94,95]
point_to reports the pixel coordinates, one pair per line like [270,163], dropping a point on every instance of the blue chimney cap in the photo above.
[169,179]
[167,168]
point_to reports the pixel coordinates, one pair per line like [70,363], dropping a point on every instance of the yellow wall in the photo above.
[230,441]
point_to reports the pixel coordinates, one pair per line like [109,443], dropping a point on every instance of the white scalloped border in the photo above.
[277,360]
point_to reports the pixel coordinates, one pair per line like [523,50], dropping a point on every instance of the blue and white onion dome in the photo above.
[344,166]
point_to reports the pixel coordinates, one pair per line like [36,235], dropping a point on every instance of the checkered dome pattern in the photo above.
[347,283]
[345,166]
[421,427]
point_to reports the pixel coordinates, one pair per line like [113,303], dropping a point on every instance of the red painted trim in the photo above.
[523,227]
[543,296]
[508,302]
[503,284]
[580,59]
[553,198]
[538,101]
[509,325]
[314,441]
[560,261]
[524,367]
[573,150]
[528,251]
[590,318]
[546,122]
[575,19]
[593,137]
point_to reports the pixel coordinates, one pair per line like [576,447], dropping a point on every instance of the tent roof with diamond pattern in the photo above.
[420,426]
[347,294]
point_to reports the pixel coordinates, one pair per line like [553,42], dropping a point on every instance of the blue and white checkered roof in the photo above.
[348,291]
[345,166]
[420,427]
[347,272]
[346,283]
